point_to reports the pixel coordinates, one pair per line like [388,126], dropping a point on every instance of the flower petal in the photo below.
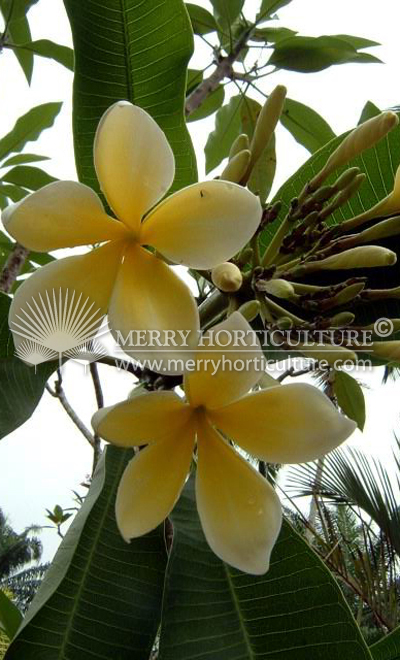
[145,418]
[152,482]
[57,302]
[149,298]
[62,214]
[229,362]
[134,162]
[240,512]
[288,424]
[203,225]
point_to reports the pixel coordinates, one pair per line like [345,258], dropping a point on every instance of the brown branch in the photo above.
[58,393]
[12,267]
[100,404]
[223,70]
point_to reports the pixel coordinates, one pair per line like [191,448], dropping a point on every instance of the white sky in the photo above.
[45,459]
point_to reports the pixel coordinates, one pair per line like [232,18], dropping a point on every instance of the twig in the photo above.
[58,393]
[12,267]
[100,404]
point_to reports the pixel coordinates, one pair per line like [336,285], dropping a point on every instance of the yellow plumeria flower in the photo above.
[200,226]
[239,510]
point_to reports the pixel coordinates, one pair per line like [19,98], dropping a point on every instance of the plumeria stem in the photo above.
[12,267]
[58,393]
[100,404]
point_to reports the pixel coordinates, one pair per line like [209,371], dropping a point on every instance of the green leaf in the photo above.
[209,106]
[21,387]
[210,610]
[262,176]
[202,21]
[387,648]
[350,397]
[15,193]
[29,177]
[227,11]
[21,159]
[272,35]
[309,54]
[365,58]
[194,78]
[29,127]
[19,8]
[369,110]
[10,616]
[46,48]
[227,128]
[101,597]
[306,125]
[142,59]
[357,42]
[268,7]
[19,32]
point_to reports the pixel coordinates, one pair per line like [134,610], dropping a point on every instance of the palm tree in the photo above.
[16,551]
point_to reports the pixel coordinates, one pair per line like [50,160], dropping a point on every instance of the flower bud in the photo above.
[388,350]
[342,319]
[384,229]
[242,143]
[227,277]
[278,288]
[327,353]
[266,124]
[361,138]
[366,256]
[349,293]
[346,178]
[284,323]
[250,309]
[236,167]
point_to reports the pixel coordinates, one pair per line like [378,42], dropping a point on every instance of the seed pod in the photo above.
[227,277]
[250,309]
[346,178]
[278,288]
[342,319]
[328,353]
[389,350]
[242,143]
[265,126]
[366,256]
[236,167]
[361,138]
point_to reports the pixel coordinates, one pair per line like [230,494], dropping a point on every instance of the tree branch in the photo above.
[12,267]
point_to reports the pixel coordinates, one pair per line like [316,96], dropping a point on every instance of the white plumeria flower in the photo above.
[239,510]
[199,226]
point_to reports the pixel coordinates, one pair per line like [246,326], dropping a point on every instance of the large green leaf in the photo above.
[137,51]
[387,648]
[227,128]
[101,597]
[269,7]
[10,616]
[22,159]
[309,54]
[306,125]
[21,387]
[213,101]
[227,11]
[210,610]
[29,127]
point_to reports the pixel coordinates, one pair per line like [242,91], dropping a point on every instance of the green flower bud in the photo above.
[384,229]
[242,143]
[346,178]
[387,206]
[284,323]
[349,293]
[361,138]
[236,167]
[368,256]
[342,319]
[327,353]
[250,309]
[278,288]
[388,350]
[227,277]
